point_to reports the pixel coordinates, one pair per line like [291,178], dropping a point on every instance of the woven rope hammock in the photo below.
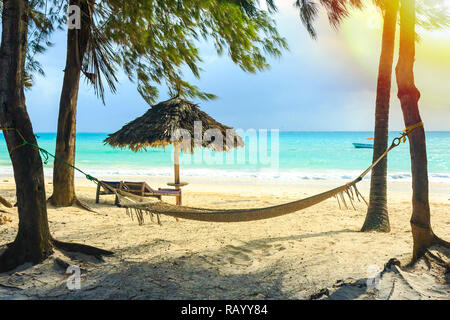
[135,205]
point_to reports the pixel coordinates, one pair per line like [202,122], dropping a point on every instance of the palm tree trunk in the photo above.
[33,240]
[409,96]
[63,175]
[377,218]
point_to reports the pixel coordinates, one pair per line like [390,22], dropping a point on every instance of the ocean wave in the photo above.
[290,175]
[279,175]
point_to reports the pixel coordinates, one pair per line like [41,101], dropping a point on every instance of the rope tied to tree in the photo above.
[414,126]
[395,143]
[405,134]
[46,154]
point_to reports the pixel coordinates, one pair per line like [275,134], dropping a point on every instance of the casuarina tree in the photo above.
[33,242]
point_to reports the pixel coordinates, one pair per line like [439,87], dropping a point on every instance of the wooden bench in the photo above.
[138,188]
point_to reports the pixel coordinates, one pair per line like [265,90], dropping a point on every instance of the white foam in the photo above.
[266,174]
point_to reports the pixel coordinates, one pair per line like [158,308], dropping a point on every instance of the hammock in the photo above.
[135,205]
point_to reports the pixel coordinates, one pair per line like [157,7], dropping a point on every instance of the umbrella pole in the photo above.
[176,161]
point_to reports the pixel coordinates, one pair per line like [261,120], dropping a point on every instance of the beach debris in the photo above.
[4,219]
[324,292]
[5,286]
[427,278]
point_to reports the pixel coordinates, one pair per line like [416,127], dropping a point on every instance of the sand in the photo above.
[290,257]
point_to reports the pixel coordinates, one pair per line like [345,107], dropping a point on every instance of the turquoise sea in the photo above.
[301,155]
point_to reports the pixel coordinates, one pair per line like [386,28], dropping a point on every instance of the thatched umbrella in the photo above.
[160,126]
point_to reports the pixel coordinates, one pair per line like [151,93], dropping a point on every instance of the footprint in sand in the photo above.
[230,256]
[244,256]
[261,251]
[157,246]
[267,249]
[237,256]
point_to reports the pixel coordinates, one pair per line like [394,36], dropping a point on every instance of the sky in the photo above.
[328,84]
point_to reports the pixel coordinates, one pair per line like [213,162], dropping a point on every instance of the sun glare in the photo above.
[362,36]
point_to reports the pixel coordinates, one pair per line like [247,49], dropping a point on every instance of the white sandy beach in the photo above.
[290,257]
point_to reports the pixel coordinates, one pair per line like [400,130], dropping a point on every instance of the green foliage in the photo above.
[99,61]
[44,17]
[156,40]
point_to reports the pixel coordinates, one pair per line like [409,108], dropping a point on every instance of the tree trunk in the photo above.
[409,96]
[63,175]
[377,218]
[33,240]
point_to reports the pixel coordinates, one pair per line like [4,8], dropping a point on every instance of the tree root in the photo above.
[81,248]
[62,264]
[437,259]
[405,279]
[429,256]
[76,202]
[5,202]
[84,206]
[392,291]
[441,242]
[14,255]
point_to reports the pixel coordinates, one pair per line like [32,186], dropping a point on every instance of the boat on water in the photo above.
[363,145]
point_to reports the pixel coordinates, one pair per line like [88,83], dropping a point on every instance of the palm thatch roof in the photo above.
[158,127]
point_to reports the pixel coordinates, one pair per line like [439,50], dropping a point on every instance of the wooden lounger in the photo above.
[138,188]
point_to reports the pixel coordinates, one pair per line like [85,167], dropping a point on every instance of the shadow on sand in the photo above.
[227,273]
